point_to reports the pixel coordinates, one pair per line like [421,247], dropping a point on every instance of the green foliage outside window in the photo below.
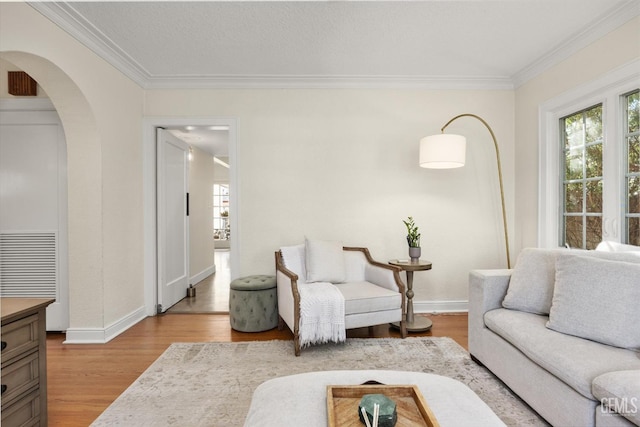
[583,142]
[582,181]
[633,168]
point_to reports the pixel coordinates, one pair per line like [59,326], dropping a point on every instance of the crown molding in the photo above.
[329,82]
[66,17]
[594,31]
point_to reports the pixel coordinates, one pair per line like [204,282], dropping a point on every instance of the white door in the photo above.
[173,220]
[33,207]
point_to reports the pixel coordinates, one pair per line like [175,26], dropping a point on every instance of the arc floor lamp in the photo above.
[445,151]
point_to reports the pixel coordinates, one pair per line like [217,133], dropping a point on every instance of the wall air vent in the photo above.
[21,84]
[28,265]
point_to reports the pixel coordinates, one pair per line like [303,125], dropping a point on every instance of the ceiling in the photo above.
[212,139]
[434,43]
[441,44]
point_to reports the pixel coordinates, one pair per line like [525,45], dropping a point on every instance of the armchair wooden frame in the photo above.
[293,277]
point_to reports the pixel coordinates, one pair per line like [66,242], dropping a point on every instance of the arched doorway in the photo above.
[84,192]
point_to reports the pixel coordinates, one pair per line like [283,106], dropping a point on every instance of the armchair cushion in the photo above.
[324,261]
[293,257]
[365,297]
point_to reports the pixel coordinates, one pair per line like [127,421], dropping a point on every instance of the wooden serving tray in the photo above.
[343,401]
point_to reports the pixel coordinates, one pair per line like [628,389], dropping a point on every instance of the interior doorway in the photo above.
[212,293]
[211,284]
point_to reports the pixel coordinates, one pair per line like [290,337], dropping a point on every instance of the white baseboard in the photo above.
[440,306]
[104,335]
[202,275]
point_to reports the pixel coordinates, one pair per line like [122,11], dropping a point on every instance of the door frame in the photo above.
[149,197]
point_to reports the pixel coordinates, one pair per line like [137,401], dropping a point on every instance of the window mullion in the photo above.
[610,171]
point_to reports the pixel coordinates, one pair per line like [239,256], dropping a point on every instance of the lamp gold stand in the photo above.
[448,151]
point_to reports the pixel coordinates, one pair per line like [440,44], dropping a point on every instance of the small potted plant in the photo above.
[413,239]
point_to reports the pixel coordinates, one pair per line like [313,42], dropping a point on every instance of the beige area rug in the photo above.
[211,384]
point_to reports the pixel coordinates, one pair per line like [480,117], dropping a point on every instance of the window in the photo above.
[632,163]
[221,226]
[589,160]
[582,180]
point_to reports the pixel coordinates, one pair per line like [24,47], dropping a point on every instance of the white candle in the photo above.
[376,414]
[366,417]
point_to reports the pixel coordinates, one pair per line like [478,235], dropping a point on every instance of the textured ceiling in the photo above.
[435,43]
[213,141]
[395,41]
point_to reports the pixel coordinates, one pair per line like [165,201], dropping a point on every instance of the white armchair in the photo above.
[373,292]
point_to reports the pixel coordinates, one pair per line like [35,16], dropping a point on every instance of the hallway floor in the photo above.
[212,293]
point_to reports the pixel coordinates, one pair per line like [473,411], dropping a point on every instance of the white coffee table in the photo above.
[300,400]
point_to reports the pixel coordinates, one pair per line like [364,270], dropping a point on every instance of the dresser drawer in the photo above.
[25,412]
[18,377]
[19,337]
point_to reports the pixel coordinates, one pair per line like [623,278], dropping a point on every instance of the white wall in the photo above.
[101,112]
[342,164]
[221,172]
[201,243]
[608,53]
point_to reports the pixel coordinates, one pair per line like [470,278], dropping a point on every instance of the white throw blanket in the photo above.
[321,314]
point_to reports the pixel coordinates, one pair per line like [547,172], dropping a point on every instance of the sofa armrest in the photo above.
[487,289]
[621,389]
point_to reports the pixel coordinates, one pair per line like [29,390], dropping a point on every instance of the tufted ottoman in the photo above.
[301,400]
[253,303]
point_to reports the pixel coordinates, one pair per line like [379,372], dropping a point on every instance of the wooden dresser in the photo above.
[24,361]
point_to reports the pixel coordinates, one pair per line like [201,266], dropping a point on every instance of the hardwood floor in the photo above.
[83,380]
[212,293]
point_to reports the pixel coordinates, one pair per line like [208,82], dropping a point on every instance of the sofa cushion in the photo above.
[597,300]
[365,297]
[575,361]
[620,392]
[610,246]
[532,281]
[324,261]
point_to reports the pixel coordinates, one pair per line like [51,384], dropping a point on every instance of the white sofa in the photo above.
[562,330]
[373,292]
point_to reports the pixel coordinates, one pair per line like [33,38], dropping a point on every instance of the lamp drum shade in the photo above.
[443,151]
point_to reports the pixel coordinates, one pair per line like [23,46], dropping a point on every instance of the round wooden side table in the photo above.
[413,324]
